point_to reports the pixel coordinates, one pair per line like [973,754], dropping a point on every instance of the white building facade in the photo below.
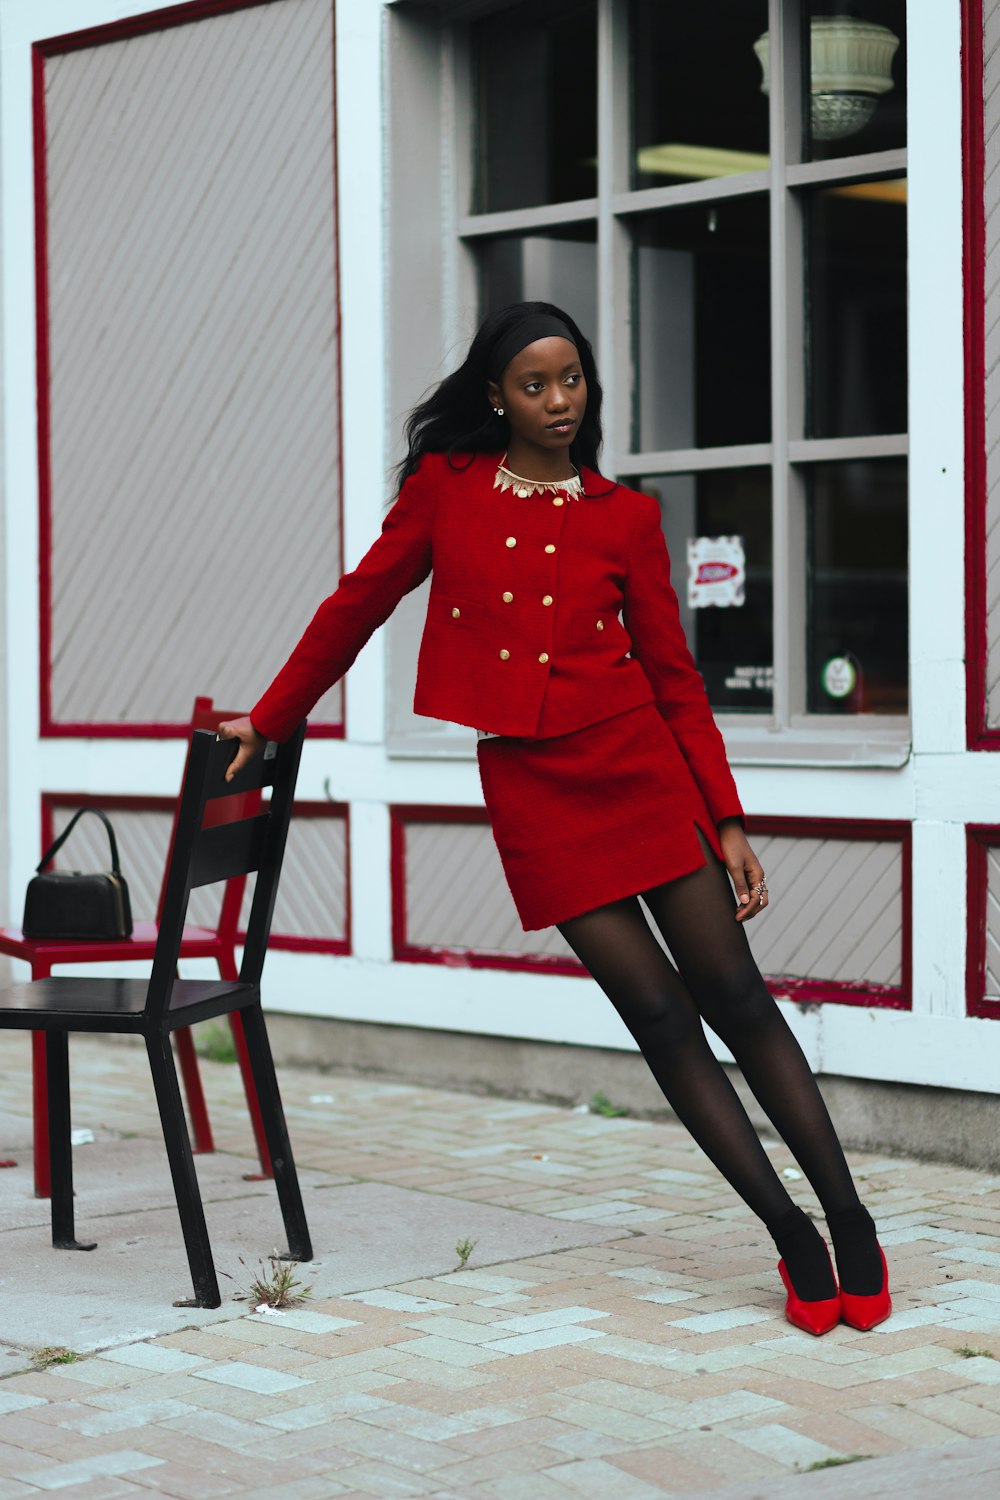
[239,240]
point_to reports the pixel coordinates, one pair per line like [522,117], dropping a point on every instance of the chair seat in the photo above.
[114,1004]
[197,942]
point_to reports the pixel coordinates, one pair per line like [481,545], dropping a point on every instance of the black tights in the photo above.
[717,980]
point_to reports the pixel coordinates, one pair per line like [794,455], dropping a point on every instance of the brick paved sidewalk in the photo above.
[657,1362]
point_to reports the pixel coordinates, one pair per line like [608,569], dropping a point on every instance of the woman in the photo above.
[603,772]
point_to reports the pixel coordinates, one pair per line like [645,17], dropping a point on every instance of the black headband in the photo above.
[534,326]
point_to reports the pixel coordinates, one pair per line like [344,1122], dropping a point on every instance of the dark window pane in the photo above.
[557,266]
[703,326]
[856,280]
[698,107]
[536,75]
[857,96]
[858,588]
[732,645]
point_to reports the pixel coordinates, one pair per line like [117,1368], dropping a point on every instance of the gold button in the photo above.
[547,599]
[551,547]
[512,541]
[558,500]
[508,598]
[505,656]
[544,657]
[600,624]
[455,612]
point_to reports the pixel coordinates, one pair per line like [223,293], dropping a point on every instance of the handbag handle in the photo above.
[54,848]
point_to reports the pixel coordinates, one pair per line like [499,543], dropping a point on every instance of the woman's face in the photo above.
[543,394]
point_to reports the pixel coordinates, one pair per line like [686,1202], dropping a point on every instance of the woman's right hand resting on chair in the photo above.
[251,743]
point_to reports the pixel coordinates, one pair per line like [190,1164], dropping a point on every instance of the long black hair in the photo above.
[457,418]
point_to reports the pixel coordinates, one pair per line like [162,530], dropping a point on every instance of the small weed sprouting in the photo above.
[53,1354]
[277,1287]
[967,1352]
[215,1043]
[835,1462]
[463,1250]
[600,1104]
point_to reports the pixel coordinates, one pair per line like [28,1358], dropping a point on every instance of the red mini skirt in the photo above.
[590,817]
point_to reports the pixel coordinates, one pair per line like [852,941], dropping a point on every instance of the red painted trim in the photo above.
[283,941]
[162,19]
[802,991]
[151,20]
[42,372]
[150,730]
[978,839]
[978,735]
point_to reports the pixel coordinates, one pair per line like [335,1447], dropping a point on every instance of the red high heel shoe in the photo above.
[811,1317]
[865,1312]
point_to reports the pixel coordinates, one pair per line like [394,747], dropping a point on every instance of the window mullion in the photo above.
[614,131]
[787,364]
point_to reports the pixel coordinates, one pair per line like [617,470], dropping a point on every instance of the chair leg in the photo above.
[201,1126]
[253,1103]
[229,969]
[40,1115]
[285,1177]
[60,1150]
[186,1191]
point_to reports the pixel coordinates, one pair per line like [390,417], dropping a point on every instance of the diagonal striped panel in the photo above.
[992,991]
[991,106]
[312,895]
[193,360]
[836,910]
[457,898]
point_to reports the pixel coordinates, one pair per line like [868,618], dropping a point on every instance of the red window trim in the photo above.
[802,991]
[287,942]
[979,837]
[163,19]
[979,736]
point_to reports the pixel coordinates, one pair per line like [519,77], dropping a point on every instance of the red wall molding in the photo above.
[289,942]
[163,19]
[803,991]
[978,735]
[980,838]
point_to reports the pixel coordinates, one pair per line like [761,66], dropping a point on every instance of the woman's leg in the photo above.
[696,917]
[616,945]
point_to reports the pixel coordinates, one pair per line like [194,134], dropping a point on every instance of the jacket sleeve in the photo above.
[652,619]
[399,559]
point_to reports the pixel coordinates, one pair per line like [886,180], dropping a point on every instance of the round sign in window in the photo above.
[839,676]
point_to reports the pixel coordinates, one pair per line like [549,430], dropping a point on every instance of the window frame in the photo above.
[788,734]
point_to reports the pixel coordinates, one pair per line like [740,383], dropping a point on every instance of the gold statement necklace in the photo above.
[506,479]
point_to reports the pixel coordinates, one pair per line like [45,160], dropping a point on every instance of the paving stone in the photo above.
[101,1466]
[256,1378]
[587,1369]
[153,1357]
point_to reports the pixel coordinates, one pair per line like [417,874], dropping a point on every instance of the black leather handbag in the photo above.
[74,906]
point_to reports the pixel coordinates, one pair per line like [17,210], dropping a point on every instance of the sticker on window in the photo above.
[716,572]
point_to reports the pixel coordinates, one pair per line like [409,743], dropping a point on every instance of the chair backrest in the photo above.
[205,715]
[205,852]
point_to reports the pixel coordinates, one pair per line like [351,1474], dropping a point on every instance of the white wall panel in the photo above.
[193,350]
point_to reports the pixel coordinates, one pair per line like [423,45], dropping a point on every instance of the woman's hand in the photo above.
[251,743]
[744,870]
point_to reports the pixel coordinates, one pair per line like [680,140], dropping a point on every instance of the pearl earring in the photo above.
[498,410]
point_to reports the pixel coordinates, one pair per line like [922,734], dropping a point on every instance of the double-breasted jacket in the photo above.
[546,614]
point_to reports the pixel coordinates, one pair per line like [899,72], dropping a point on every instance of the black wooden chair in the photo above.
[155,1008]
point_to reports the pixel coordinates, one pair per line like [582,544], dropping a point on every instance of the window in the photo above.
[718,193]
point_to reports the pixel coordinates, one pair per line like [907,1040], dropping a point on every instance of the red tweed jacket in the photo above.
[523,635]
